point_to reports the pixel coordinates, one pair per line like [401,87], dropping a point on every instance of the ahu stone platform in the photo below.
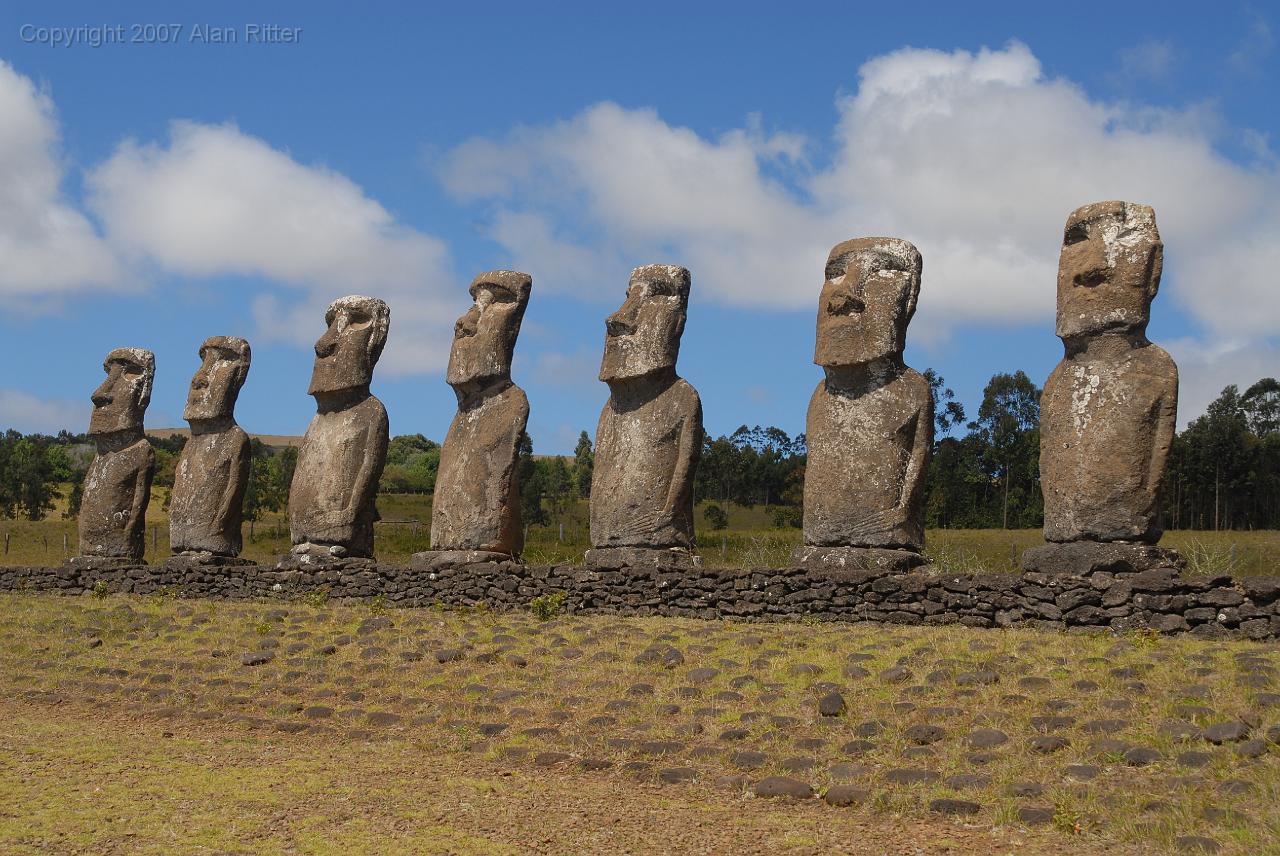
[1161,599]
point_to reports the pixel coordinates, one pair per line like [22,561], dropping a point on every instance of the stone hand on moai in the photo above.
[205,507]
[475,513]
[331,501]
[870,420]
[117,486]
[650,431]
[1109,409]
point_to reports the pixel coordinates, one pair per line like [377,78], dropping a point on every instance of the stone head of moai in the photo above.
[121,400]
[1109,270]
[868,298]
[350,347]
[484,338]
[224,365]
[643,337]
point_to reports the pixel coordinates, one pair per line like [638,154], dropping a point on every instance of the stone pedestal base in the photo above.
[1080,558]
[204,559]
[434,560]
[857,559]
[320,557]
[104,563]
[621,558]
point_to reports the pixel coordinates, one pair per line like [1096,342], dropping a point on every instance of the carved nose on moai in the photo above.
[327,344]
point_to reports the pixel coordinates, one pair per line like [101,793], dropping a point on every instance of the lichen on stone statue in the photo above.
[650,431]
[117,486]
[870,421]
[475,511]
[331,500]
[1109,409]
[212,474]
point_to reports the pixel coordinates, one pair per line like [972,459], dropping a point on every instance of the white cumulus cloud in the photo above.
[976,157]
[214,200]
[48,248]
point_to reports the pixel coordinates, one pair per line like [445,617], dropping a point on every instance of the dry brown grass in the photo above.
[88,772]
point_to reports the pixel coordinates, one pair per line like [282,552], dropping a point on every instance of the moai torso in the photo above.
[208,491]
[642,480]
[336,481]
[1106,426]
[864,471]
[113,507]
[477,499]
[1108,411]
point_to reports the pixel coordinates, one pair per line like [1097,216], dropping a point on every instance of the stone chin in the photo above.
[469,363]
[109,420]
[850,346]
[624,363]
[202,409]
[330,375]
[1117,321]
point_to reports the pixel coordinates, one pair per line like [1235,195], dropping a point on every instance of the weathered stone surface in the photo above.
[477,497]
[1109,409]
[618,558]
[205,506]
[117,486]
[1081,558]
[870,420]
[331,502]
[650,431]
[856,559]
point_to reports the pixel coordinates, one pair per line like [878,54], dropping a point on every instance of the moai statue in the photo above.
[117,487]
[475,514]
[205,507]
[331,501]
[870,421]
[1109,409]
[650,432]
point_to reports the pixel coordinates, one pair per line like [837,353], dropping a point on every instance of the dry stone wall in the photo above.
[1161,600]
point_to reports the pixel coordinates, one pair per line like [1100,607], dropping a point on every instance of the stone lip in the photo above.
[622,558]
[818,559]
[204,558]
[105,562]
[433,560]
[1081,558]
[320,562]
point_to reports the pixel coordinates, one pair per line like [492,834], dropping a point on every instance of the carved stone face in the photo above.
[349,349]
[216,384]
[121,400]
[484,339]
[643,336]
[867,301]
[1109,269]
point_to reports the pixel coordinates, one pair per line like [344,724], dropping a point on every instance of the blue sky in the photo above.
[154,194]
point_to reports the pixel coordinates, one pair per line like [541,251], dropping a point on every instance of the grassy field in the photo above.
[751,540]
[152,725]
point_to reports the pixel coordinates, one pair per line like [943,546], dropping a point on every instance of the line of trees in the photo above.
[1223,473]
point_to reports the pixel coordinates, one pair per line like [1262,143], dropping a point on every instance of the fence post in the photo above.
[6,543]
[65,548]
